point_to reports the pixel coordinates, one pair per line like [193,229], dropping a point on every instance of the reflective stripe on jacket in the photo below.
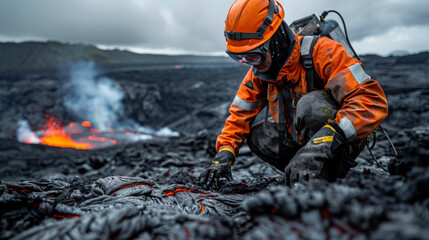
[363,102]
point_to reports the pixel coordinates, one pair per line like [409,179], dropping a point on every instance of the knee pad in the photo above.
[313,111]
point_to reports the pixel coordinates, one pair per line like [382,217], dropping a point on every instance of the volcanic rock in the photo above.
[150,189]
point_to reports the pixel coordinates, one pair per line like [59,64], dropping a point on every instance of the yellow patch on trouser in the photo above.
[323,139]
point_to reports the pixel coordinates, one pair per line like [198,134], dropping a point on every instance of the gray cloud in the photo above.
[188,25]
[367,17]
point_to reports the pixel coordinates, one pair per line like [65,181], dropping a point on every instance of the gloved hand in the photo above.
[326,155]
[221,167]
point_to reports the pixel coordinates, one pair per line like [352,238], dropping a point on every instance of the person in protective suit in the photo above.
[315,130]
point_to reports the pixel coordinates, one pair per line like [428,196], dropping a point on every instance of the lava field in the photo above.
[148,188]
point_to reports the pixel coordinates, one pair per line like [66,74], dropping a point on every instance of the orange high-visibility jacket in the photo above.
[363,102]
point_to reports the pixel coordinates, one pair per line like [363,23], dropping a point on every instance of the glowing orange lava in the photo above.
[102,139]
[57,135]
[202,207]
[60,139]
[184,189]
[86,124]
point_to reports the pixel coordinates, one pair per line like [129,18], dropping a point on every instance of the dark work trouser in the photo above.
[313,111]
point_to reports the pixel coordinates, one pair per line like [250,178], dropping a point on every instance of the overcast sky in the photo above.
[196,26]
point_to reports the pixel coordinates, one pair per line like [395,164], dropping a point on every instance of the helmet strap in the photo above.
[261,30]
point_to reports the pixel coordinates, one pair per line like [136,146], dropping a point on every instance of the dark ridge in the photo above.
[419,58]
[42,56]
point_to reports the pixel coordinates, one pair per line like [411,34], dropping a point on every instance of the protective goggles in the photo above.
[253,57]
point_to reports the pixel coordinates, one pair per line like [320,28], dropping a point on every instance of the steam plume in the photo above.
[97,100]
[25,134]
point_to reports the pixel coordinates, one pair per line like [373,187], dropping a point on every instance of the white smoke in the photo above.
[99,101]
[167,132]
[25,134]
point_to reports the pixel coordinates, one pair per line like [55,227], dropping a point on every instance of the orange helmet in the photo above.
[250,23]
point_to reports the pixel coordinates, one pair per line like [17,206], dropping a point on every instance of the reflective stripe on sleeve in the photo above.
[358,73]
[245,105]
[348,129]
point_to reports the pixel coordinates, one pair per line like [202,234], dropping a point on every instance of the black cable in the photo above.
[391,143]
[322,17]
[375,159]
[374,134]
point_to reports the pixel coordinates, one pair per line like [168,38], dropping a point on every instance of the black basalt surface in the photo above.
[149,190]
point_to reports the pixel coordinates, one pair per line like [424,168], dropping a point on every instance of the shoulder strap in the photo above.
[307,45]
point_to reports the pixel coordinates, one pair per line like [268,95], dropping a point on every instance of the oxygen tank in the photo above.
[311,25]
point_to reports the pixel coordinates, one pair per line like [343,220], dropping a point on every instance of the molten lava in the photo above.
[73,135]
[83,135]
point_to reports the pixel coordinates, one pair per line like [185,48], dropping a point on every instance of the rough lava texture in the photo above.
[149,190]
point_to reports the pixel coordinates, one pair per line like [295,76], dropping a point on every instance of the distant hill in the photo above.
[35,56]
[418,58]
[29,56]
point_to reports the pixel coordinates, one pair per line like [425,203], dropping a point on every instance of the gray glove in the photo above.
[324,156]
[220,168]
